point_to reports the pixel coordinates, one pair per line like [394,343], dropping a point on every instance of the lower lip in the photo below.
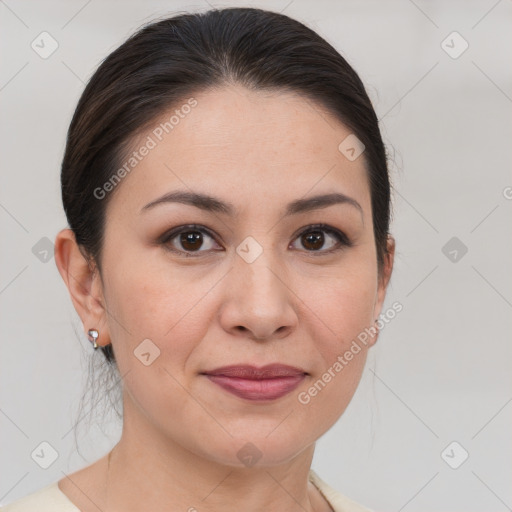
[264,389]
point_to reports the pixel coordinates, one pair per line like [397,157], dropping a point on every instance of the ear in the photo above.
[84,284]
[384,278]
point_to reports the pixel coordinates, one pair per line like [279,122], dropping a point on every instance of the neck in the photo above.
[148,471]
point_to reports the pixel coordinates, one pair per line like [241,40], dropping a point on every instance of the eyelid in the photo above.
[172,233]
[343,240]
[338,233]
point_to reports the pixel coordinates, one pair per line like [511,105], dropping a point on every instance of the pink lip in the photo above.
[267,383]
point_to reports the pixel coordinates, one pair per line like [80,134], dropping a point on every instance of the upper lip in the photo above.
[269,371]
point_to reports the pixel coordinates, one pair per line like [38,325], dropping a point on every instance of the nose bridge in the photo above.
[257,297]
[259,269]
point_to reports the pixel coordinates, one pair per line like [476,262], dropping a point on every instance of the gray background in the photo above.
[441,369]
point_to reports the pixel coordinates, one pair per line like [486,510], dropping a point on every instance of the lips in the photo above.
[251,383]
[270,371]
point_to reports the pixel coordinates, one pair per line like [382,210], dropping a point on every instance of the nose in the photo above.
[258,302]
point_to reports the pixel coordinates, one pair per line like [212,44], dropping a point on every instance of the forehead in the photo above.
[243,145]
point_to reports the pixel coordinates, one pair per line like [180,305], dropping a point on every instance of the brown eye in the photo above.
[191,240]
[315,238]
[188,239]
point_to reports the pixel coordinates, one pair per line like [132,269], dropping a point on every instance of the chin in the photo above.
[258,451]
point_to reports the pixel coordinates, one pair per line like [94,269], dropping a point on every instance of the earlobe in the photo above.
[82,280]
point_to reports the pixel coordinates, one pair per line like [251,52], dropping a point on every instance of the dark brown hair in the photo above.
[169,60]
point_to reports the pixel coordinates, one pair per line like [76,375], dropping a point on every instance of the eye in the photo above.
[314,238]
[188,239]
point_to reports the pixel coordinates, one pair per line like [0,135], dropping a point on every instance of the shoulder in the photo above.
[46,499]
[52,499]
[338,501]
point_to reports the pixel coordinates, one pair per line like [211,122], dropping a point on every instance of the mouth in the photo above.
[258,384]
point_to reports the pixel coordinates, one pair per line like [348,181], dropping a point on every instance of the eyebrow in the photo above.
[211,204]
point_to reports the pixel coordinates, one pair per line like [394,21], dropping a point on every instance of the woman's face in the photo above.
[254,285]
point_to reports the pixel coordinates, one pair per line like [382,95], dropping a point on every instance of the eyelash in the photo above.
[343,240]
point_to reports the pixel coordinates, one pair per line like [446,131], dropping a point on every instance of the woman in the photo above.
[228,200]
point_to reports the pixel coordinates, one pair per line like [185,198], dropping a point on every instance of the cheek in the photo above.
[340,310]
[149,302]
[328,395]
[344,318]
[156,324]
[343,304]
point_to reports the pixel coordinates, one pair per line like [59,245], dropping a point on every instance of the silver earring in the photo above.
[93,333]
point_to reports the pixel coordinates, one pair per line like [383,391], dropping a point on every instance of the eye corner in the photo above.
[343,241]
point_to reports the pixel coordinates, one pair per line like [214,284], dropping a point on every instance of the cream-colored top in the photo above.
[52,499]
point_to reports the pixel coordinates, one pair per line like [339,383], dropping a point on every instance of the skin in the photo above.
[296,304]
